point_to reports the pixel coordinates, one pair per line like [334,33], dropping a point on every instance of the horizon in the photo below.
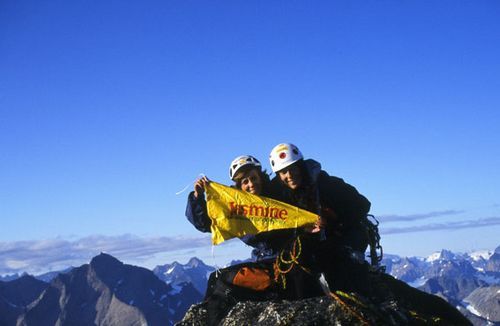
[481,252]
[109,109]
[206,260]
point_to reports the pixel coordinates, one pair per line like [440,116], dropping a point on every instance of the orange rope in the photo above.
[349,309]
[294,256]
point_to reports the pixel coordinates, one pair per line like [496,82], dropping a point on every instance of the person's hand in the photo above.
[199,186]
[320,224]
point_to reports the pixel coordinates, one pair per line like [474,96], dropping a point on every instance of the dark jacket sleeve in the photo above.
[196,213]
[347,203]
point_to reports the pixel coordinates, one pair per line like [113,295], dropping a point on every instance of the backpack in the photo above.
[228,286]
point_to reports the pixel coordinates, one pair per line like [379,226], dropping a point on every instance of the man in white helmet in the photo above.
[342,209]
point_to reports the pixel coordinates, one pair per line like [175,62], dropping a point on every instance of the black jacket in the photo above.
[338,202]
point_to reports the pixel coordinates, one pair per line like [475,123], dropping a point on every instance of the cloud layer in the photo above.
[416,217]
[53,254]
[40,256]
[490,221]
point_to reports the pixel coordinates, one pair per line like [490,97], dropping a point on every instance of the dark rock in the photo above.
[106,292]
[493,264]
[393,303]
[22,291]
[453,289]
[16,295]
[486,302]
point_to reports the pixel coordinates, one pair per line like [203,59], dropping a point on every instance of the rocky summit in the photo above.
[392,302]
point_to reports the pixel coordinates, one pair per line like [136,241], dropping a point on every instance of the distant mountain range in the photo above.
[106,291]
[177,275]
[470,282]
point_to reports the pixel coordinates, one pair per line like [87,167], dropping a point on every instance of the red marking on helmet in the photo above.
[282,155]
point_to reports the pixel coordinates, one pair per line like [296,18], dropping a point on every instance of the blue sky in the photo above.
[108,108]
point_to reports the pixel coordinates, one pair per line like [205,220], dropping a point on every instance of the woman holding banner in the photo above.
[254,280]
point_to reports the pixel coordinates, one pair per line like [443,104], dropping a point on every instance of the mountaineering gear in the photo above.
[284,155]
[240,162]
[295,269]
[246,281]
[348,231]
[376,251]
[253,278]
[235,213]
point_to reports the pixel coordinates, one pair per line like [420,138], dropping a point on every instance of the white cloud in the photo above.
[468,224]
[416,217]
[40,256]
[15,264]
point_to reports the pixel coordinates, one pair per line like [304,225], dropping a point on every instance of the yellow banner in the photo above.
[235,213]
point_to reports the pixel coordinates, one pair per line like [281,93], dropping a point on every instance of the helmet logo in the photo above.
[282,147]
[282,155]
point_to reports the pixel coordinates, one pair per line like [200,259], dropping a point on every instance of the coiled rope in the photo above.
[283,266]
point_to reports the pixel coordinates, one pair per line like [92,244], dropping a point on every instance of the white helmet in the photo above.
[283,155]
[240,162]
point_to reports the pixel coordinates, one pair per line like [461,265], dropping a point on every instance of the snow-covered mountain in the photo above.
[104,292]
[469,281]
[49,276]
[10,277]
[45,277]
[177,275]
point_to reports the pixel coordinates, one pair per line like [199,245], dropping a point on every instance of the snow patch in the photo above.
[131,302]
[152,292]
[484,254]
[433,257]
[473,310]
[176,289]
[418,282]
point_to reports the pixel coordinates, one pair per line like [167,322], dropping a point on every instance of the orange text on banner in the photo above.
[235,213]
